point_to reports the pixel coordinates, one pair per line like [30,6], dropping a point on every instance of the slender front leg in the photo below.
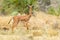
[26,25]
[15,22]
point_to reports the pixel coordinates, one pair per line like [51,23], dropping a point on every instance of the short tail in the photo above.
[9,21]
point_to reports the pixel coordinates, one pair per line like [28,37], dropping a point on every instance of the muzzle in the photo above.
[33,14]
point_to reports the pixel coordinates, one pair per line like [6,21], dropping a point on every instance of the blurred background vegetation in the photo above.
[12,7]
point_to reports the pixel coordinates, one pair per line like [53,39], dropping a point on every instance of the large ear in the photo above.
[28,6]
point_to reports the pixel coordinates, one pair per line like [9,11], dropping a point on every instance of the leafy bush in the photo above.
[53,11]
[58,10]
[17,5]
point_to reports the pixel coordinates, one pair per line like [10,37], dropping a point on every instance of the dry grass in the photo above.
[47,26]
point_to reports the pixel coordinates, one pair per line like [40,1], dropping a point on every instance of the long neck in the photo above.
[30,11]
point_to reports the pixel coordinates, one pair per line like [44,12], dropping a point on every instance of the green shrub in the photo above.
[17,5]
[58,10]
[53,11]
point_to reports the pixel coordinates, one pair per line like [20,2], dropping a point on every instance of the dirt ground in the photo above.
[41,27]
